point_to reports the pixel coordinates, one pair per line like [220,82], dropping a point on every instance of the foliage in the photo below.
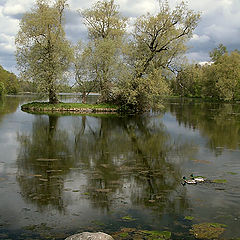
[43,52]
[2,89]
[145,93]
[188,82]
[217,52]
[222,79]
[219,80]
[28,86]
[9,81]
[106,28]
[84,75]
[104,20]
[132,71]
[157,41]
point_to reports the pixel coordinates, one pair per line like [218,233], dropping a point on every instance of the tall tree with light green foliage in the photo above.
[43,52]
[85,79]
[106,30]
[158,40]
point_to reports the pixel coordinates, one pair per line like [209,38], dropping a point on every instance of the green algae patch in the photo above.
[156,234]
[128,218]
[190,218]
[207,230]
[219,180]
[132,233]
[232,173]
[69,107]
[123,235]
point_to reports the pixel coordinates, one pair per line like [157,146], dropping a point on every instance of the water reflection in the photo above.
[8,106]
[123,160]
[75,170]
[43,160]
[219,122]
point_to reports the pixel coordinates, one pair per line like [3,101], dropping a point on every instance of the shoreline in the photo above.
[36,107]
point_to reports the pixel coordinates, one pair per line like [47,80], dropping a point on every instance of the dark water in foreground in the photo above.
[109,172]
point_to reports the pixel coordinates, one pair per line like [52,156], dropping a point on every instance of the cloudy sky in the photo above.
[220,23]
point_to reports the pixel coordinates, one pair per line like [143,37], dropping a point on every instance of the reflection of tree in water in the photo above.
[123,159]
[132,152]
[8,105]
[217,121]
[42,161]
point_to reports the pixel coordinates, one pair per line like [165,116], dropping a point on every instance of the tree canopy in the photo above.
[129,66]
[157,41]
[43,52]
[219,80]
[106,29]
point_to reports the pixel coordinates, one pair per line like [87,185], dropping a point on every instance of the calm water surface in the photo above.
[60,175]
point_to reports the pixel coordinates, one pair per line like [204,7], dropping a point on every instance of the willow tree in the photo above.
[106,29]
[43,52]
[158,40]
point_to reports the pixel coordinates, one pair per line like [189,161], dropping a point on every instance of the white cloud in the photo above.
[200,39]
[10,10]
[7,45]
[15,7]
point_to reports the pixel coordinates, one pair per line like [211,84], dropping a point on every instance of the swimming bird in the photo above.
[197,179]
[189,181]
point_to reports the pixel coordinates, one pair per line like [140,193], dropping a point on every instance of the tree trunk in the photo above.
[84,97]
[53,97]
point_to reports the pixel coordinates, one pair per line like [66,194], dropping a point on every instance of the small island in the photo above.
[69,107]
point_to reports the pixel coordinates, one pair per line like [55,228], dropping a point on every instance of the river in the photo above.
[63,174]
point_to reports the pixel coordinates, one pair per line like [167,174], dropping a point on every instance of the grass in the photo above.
[69,107]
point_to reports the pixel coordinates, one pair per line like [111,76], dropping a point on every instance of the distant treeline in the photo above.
[8,82]
[11,84]
[218,80]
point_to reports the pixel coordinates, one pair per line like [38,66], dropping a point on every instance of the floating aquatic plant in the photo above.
[132,233]
[219,180]
[207,230]
[128,218]
[156,234]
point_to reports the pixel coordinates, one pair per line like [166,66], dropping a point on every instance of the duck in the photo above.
[189,181]
[197,179]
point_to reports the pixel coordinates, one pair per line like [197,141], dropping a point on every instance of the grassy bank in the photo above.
[68,107]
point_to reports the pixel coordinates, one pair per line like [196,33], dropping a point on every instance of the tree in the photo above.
[157,41]
[83,70]
[217,52]
[106,28]
[103,20]
[43,52]
[224,77]
[189,82]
